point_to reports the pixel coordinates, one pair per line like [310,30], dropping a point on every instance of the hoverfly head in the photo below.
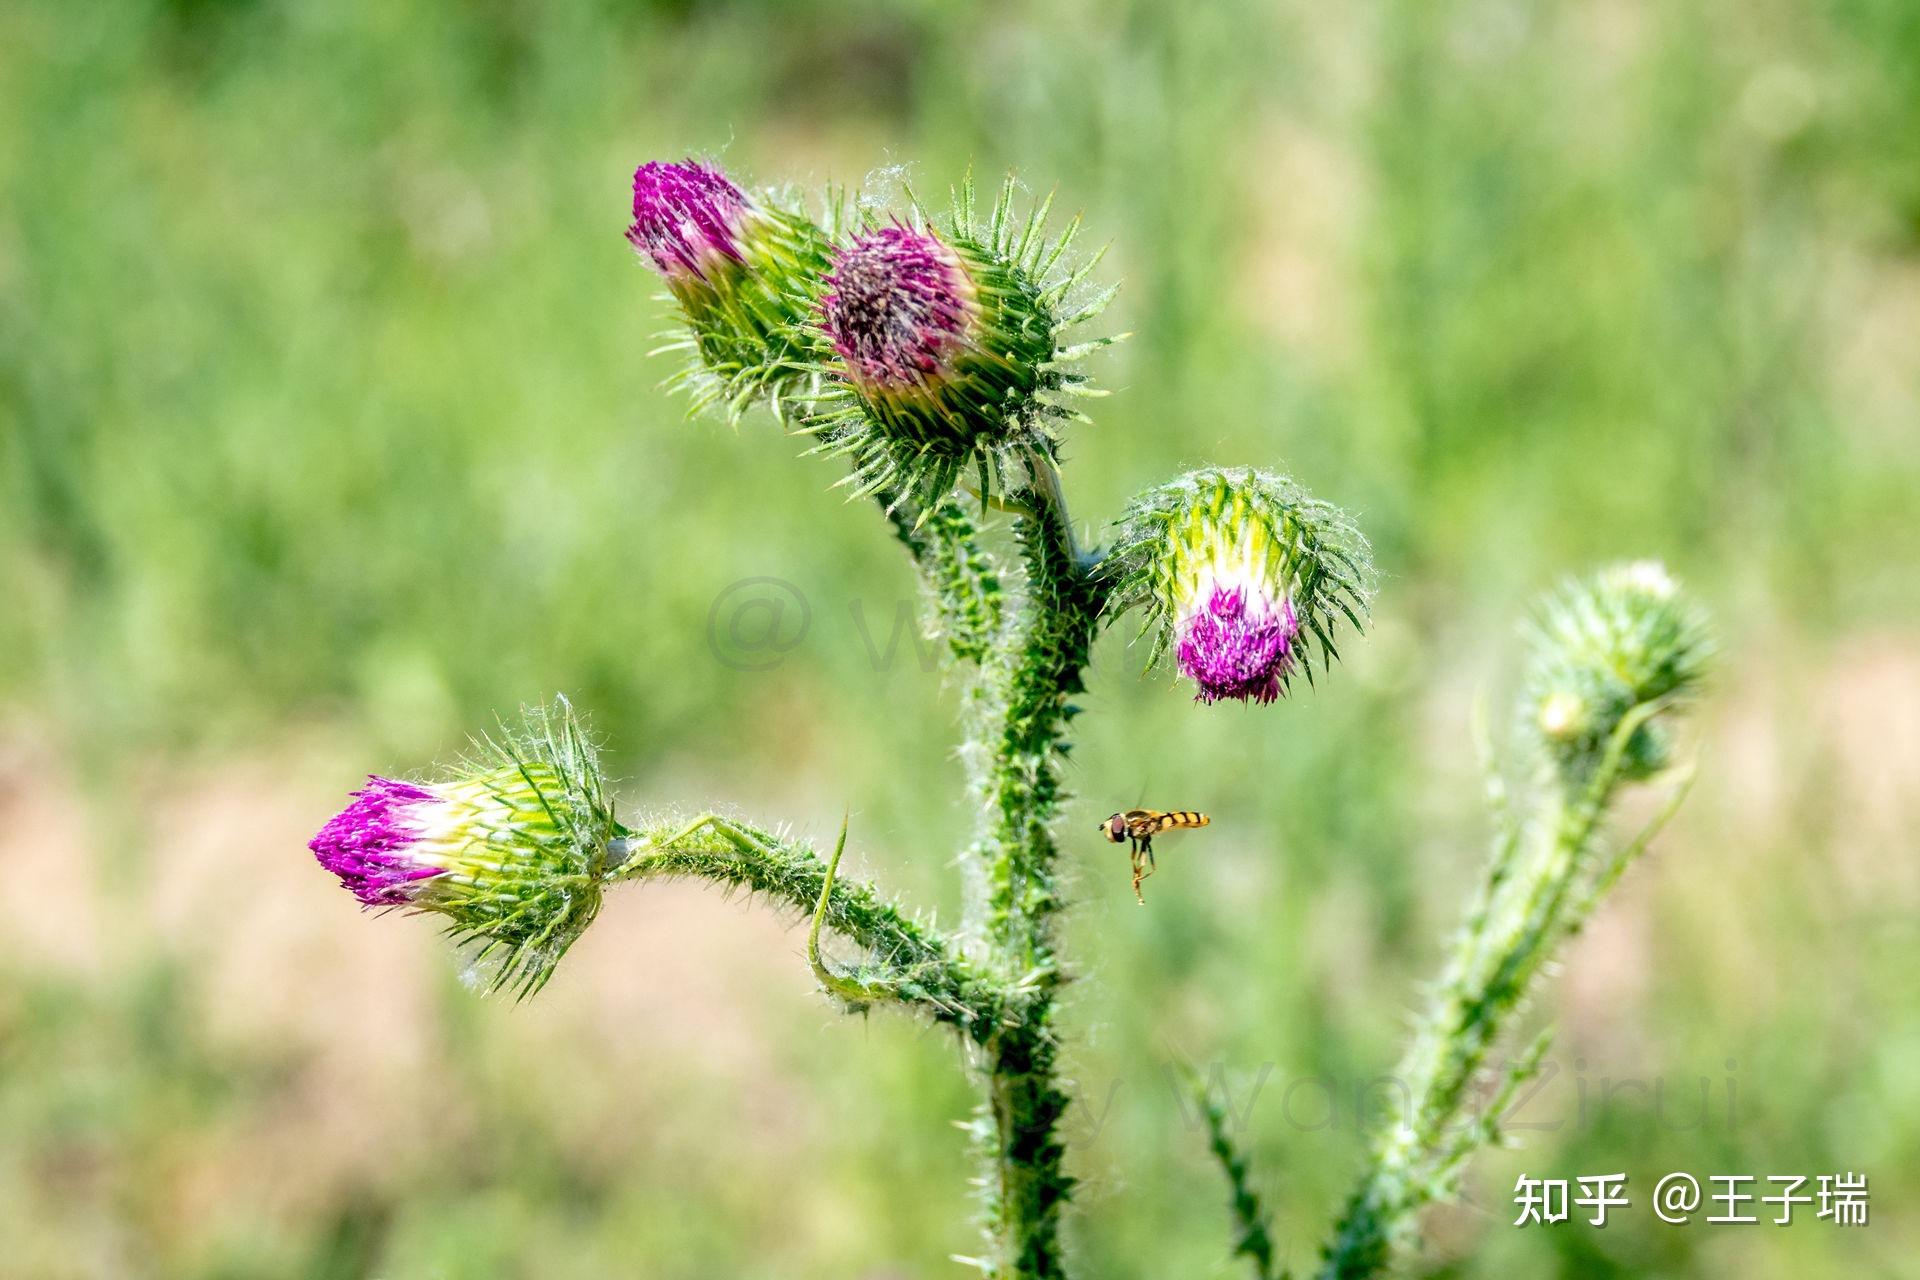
[1116,828]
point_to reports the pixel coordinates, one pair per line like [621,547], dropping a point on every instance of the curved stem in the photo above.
[1034,674]
[1252,1225]
[915,964]
[852,990]
[1052,504]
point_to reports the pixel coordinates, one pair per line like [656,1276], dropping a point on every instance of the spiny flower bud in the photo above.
[946,348]
[1623,638]
[745,271]
[1245,574]
[511,848]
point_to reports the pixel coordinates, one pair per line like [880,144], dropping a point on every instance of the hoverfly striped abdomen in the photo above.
[1178,818]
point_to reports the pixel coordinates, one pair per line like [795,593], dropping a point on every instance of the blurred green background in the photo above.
[327,433]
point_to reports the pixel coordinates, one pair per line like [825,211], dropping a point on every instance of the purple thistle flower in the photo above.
[898,306]
[368,843]
[1238,644]
[686,217]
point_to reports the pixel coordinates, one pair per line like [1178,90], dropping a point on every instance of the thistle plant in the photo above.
[930,359]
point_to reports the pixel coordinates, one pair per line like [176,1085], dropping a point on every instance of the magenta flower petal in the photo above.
[898,306]
[1238,645]
[367,844]
[685,216]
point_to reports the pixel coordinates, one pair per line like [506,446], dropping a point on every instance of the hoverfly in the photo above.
[1139,827]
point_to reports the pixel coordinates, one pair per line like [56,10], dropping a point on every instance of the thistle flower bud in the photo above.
[1624,638]
[745,272]
[946,348]
[1245,576]
[511,849]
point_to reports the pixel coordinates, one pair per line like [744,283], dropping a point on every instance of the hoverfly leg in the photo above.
[1143,866]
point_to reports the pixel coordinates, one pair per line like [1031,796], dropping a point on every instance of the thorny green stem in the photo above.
[1253,1237]
[963,578]
[1500,950]
[1053,500]
[908,962]
[1031,675]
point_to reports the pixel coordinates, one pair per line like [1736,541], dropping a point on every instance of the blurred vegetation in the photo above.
[326,433]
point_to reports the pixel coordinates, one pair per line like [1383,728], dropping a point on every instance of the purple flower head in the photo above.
[369,843]
[898,306]
[1237,643]
[686,217]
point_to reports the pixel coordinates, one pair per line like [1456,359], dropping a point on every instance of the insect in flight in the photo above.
[1138,827]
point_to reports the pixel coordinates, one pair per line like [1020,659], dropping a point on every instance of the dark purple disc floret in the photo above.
[898,305]
[1235,646]
[685,215]
[367,843]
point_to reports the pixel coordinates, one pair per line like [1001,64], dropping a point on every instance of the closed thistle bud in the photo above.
[946,348]
[1245,576]
[745,272]
[1624,638]
[511,849]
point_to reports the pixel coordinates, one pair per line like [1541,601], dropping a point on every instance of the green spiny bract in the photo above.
[746,274]
[945,347]
[1242,575]
[511,848]
[1623,638]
